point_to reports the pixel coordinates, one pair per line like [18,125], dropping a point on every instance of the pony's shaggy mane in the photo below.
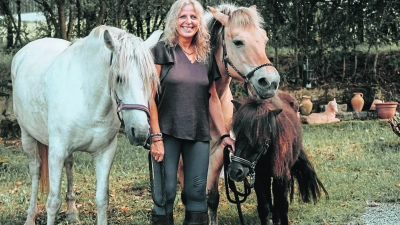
[130,53]
[253,123]
[239,17]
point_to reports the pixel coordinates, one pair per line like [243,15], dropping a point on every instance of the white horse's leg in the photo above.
[214,171]
[29,144]
[103,161]
[56,161]
[72,212]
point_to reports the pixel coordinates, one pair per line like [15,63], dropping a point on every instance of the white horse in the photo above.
[69,97]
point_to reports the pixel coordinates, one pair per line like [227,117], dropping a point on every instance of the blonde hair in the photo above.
[201,39]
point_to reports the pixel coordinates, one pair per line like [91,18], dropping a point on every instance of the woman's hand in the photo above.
[157,149]
[228,141]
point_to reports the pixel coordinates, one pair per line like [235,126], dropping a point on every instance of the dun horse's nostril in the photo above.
[263,82]
[133,132]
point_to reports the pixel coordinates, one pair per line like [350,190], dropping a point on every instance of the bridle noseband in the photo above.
[121,106]
[226,61]
[251,165]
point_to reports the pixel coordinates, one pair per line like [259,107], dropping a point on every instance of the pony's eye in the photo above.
[238,43]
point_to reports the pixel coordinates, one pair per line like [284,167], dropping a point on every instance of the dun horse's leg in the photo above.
[56,162]
[103,161]
[262,187]
[72,212]
[280,188]
[214,171]
[29,144]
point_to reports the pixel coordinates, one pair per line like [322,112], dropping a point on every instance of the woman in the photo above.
[180,112]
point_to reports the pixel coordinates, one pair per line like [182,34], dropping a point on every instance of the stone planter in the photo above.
[386,110]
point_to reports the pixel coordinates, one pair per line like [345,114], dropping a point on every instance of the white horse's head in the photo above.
[244,51]
[132,76]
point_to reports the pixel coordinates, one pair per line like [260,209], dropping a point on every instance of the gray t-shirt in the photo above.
[183,103]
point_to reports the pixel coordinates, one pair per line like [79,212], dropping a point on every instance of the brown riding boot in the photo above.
[196,218]
[156,219]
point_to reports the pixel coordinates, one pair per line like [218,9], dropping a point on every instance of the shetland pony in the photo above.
[72,97]
[269,144]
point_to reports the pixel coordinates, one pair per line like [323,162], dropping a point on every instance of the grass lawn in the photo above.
[357,162]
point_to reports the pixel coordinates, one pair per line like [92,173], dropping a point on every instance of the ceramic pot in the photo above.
[357,102]
[306,105]
[373,104]
[386,110]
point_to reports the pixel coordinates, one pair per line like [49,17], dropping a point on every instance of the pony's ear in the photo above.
[108,40]
[236,104]
[219,16]
[276,111]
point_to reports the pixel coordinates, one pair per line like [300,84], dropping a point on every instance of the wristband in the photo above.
[156,135]
[224,136]
[153,141]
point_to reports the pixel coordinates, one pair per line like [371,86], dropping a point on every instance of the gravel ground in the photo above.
[380,214]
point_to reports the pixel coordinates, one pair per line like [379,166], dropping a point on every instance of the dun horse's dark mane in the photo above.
[254,122]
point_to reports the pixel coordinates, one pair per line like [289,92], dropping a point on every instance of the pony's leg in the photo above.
[262,187]
[56,162]
[72,212]
[280,189]
[214,171]
[103,160]
[29,144]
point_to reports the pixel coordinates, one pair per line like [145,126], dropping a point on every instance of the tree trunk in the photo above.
[296,47]
[61,19]
[102,11]
[79,16]
[50,17]
[72,16]
[129,23]
[120,11]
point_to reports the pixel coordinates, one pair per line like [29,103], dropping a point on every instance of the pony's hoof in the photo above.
[72,217]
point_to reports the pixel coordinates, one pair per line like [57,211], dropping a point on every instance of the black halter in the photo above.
[226,61]
[251,165]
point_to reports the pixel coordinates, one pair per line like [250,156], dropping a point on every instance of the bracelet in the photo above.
[224,136]
[156,135]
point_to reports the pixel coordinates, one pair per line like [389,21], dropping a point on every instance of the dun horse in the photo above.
[269,144]
[72,97]
[238,44]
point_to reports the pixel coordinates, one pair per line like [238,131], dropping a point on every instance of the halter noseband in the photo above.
[226,61]
[121,106]
[251,165]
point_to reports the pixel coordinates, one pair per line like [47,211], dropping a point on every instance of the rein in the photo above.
[230,184]
[226,61]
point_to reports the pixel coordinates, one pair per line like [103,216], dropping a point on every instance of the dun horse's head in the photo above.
[254,126]
[244,45]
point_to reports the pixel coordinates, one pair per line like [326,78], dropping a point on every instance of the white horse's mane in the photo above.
[239,16]
[130,52]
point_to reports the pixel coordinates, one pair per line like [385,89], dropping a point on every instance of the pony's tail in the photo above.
[308,183]
[44,168]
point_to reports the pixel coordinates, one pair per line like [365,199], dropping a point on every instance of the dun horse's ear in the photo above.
[236,104]
[219,16]
[253,7]
[108,40]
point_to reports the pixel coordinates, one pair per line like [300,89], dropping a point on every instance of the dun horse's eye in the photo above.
[238,43]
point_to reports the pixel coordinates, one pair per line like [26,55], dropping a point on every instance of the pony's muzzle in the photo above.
[237,172]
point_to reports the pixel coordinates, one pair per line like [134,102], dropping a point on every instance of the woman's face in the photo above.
[188,22]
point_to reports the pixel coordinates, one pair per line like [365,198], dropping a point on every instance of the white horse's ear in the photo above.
[153,39]
[108,40]
[253,7]
[219,16]
[334,99]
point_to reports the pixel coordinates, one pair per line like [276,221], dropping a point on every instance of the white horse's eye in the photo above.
[119,79]
[238,43]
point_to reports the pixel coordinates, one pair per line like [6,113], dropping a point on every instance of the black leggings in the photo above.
[195,155]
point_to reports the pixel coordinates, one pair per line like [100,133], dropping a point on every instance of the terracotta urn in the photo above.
[373,104]
[306,105]
[357,102]
[386,110]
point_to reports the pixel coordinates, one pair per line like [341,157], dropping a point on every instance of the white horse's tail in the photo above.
[44,168]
